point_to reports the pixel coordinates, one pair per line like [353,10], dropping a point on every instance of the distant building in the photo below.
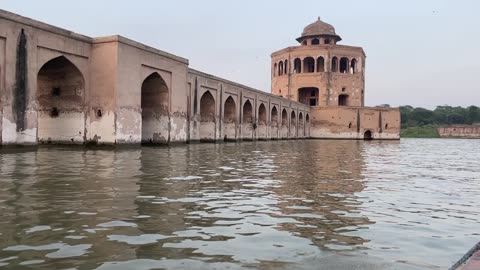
[330,78]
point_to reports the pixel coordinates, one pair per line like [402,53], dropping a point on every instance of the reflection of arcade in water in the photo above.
[321,193]
[199,202]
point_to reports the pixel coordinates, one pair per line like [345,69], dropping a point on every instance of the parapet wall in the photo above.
[460,131]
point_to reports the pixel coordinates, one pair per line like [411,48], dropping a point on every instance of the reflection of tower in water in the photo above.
[320,194]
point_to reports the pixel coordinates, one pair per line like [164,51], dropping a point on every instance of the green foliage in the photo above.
[420,132]
[422,123]
[442,115]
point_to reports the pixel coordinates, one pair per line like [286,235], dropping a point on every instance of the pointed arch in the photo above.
[274,117]
[247,112]
[207,117]
[284,127]
[61,102]
[307,125]
[262,115]
[293,124]
[274,124]
[154,104]
[229,118]
[207,107]
[262,122]
[284,117]
[230,111]
[247,120]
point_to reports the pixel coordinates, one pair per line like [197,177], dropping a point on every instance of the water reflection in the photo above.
[269,205]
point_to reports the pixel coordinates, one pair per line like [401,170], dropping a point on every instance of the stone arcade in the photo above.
[62,87]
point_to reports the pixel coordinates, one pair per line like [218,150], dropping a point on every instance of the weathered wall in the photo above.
[136,62]
[2,82]
[353,122]
[100,122]
[460,131]
[43,43]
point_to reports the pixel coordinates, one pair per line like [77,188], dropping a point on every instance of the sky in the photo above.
[421,53]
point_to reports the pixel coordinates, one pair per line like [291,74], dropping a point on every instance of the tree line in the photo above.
[442,115]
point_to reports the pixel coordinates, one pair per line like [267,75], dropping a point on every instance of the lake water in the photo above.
[410,204]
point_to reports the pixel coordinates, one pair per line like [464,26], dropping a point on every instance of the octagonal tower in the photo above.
[320,72]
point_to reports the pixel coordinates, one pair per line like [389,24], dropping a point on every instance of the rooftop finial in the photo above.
[319,18]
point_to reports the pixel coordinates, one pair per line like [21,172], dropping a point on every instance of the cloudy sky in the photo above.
[422,53]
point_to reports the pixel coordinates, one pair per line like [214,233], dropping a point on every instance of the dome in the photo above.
[319,28]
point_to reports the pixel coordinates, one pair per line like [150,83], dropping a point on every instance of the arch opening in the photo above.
[230,111]
[368,135]
[309,65]
[275,67]
[344,65]
[334,67]
[262,122]
[274,117]
[297,65]
[154,105]
[247,113]
[353,66]
[207,117]
[320,64]
[308,96]
[315,41]
[280,68]
[285,67]
[247,120]
[207,108]
[284,117]
[293,124]
[262,115]
[301,125]
[229,118]
[343,100]
[284,128]
[61,109]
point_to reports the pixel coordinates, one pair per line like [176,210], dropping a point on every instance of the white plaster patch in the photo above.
[178,131]
[207,130]
[9,131]
[68,127]
[102,129]
[129,126]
